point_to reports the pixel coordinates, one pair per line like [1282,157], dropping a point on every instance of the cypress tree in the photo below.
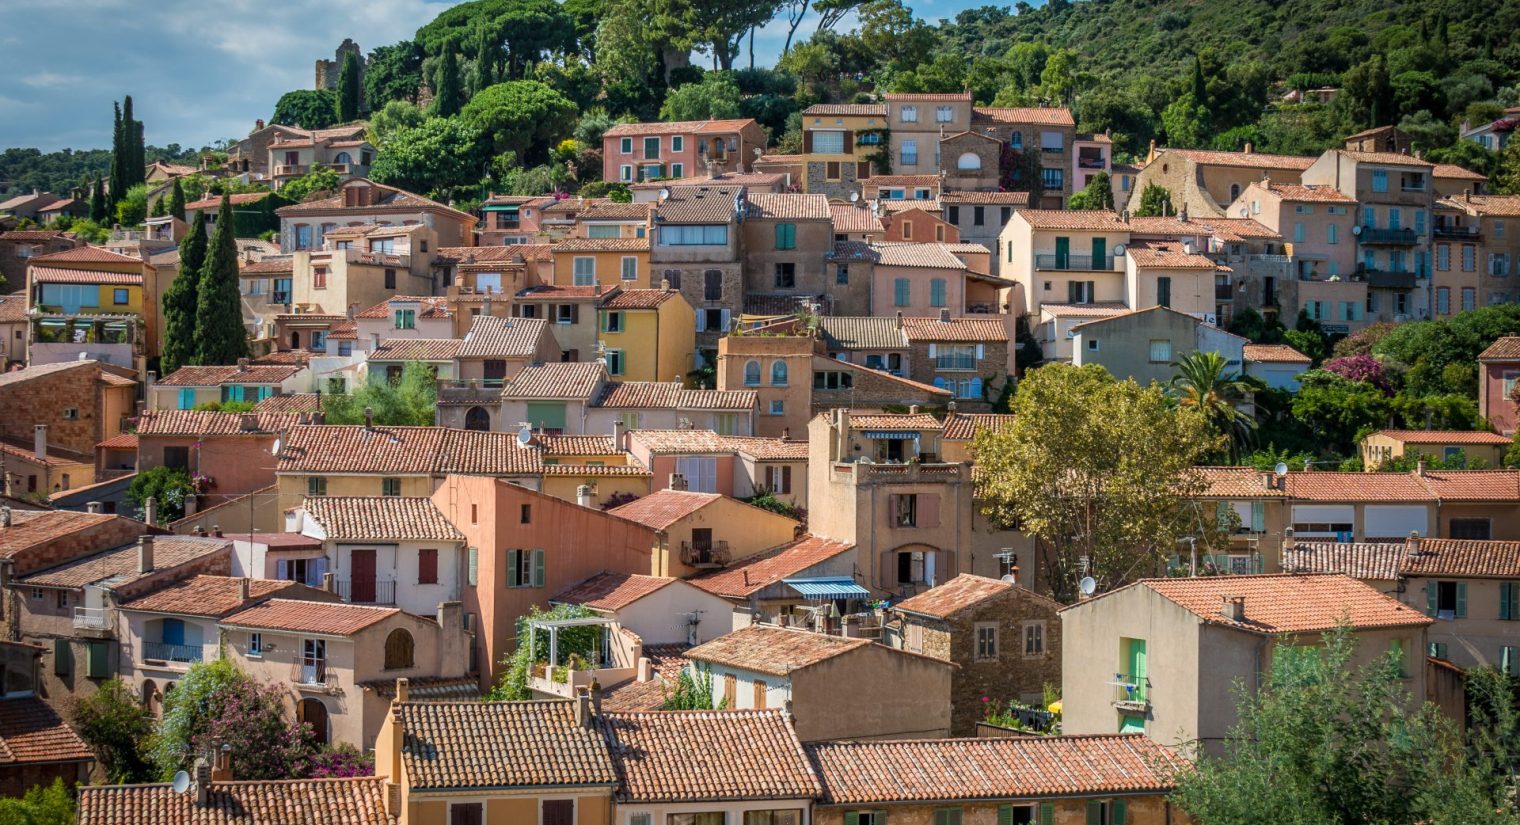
[1200,87]
[348,89]
[180,299]
[118,147]
[220,338]
[485,59]
[135,169]
[98,201]
[177,200]
[450,95]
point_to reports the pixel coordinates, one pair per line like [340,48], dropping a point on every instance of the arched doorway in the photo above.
[313,712]
[476,418]
[295,339]
[149,692]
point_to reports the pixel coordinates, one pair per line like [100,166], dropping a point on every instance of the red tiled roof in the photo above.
[611,591]
[86,254]
[846,109]
[639,298]
[417,349]
[428,307]
[602,245]
[962,330]
[1368,561]
[380,518]
[1249,160]
[1275,354]
[965,426]
[120,441]
[1498,206]
[1102,309]
[404,451]
[1303,193]
[614,211]
[168,552]
[755,573]
[296,402]
[789,206]
[1473,485]
[932,255]
[669,394]
[698,205]
[30,529]
[1504,349]
[1444,437]
[356,801]
[1451,170]
[33,235]
[219,595]
[327,618]
[547,292]
[744,755]
[1461,558]
[769,449]
[929,96]
[1044,115]
[477,745]
[457,255]
[1080,219]
[268,266]
[386,199]
[231,374]
[951,770]
[950,598]
[208,423]
[849,218]
[668,661]
[1236,482]
[32,733]
[891,421]
[559,445]
[993,198]
[777,651]
[239,199]
[1347,487]
[1287,603]
[556,380]
[1386,158]
[1168,256]
[663,508]
[55,275]
[13,308]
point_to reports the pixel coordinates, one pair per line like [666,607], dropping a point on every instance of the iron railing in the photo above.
[165,652]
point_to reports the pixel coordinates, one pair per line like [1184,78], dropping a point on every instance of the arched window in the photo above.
[752,374]
[313,712]
[778,373]
[398,650]
[295,339]
[1016,140]
[969,162]
[1234,192]
[343,157]
[477,419]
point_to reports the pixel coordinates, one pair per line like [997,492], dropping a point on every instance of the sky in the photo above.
[200,71]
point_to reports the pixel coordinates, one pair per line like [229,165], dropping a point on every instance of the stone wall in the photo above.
[44,400]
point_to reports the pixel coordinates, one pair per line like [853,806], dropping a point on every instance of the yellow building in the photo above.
[593,462]
[647,335]
[93,303]
[838,140]
[705,531]
[607,261]
[1476,449]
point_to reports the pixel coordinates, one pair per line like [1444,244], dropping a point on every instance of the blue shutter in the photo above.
[1430,599]
[976,388]
[316,571]
[186,399]
[279,569]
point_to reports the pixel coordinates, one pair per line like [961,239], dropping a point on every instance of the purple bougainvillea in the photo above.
[1364,368]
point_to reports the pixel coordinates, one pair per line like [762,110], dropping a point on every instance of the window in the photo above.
[778,373]
[786,276]
[319,278]
[752,374]
[828,143]
[630,268]
[467,813]
[677,144]
[947,816]
[1034,638]
[1469,298]
[406,319]
[625,146]
[1298,232]
[186,398]
[830,380]
[842,274]
[1469,258]
[907,230]
[979,215]
[651,148]
[398,650]
[832,170]
[1446,600]
[1379,180]
[905,514]
[1053,179]
[786,236]
[900,292]
[1106,812]
[316,486]
[909,153]
[986,640]
[390,279]
[1051,142]
[1332,233]
[778,407]
[944,114]
[713,818]
[779,479]
[525,568]
[612,322]
[255,644]
[770,817]
[1161,351]
[714,235]
[908,114]
[119,297]
[585,271]
[614,360]
[1443,300]
[625,172]
[1443,257]
[937,292]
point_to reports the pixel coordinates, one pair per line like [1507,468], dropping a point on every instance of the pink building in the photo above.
[1316,220]
[1500,368]
[633,152]
[917,279]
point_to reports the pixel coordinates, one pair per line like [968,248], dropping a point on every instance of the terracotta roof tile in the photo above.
[667,660]
[1498,206]
[427,307]
[1360,560]
[663,508]
[32,732]
[965,330]
[657,394]
[1103,309]
[962,592]
[1034,767]
[595,470]
[559,445]
[268,266]
[468,255]
[33,235]
[416,349]
[31,529]
[1473,485]
[849,218]
[964,97]
[120,441]
[55,275]
[1044,116]
[1461,558]
[698,205]
[1348,487]
[356,801]
[500,745]
[1504,349]
[1385,158]
[571,245]
[1241,229]
[1304,193]
[328,618]
[386,199]
[1287,603]
[557,380]
[232,374]
[890,421]
[218,596]
[1236,482]
[614,211]
[1249,160]
[851,251]
[611,591]
[491,337]
[207,423]
[862,332]
[1445,437]
[639,298]
[931,255]
[404,451]
[240,199]
[85,254]
[120,564]
[1275,354]
[296,402]
[846,110]
[789,206]
[662,442]
[755,573]
[380,518]
[1014,199]
[1081,219]
[548,292]
[965,426]
[745,755]
[1168,256]
[13,308]
[769,449]
[1451,170]
[777,651]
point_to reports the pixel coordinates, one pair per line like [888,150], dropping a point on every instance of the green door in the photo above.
[1099,253]
[1137,669]
[1063,253]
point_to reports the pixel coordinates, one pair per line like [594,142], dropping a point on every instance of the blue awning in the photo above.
[893,435]
[500,207]
[827,587]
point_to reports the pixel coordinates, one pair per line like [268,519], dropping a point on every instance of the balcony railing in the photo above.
[309,672]
[1131,692]
[1397,237]
[367,591]
[1102,263]
[285,170]
[164,652]
[97,618]
[1089,163]
[1389,280]
[1461,233]
[715,555]
[955,362]
[472,392]
[1223,292]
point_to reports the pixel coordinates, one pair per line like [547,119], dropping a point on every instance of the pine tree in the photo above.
[118,146]
[219,334]
[98,202]
[180,299]
[450,95]
[348,89]
[177,200]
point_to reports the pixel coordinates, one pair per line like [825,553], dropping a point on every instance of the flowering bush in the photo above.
[340,762]
[1364,368]
[250,718]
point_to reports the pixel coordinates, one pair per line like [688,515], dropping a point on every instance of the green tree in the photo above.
[49,805]
[394,72]
[117,728]
[180,299]
[394,116]
[306,109]
[220,337]
[132,206]
[716,97]
[167,486]
[319,179]
[346,102]
[410,402]
[1097,469]
[1186,122]
[176,200]
[98,201]
[487,52]
[439,157]
[1338,411]
[448,96]
[1098,194]
[693,692]
[1155,200]
[573,641]
[1203,384]
[1507,170]
[523,117]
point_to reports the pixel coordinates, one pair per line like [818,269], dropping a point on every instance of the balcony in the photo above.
[1380,279]
[1132,694]
[1089,162]
[1389,237]
[163,652]
[955,362]
[312,674]
[469,392]
[291,170]
[92,618]
[1223,292]
[1103,263]
[279,297]
[367,591]
[1458,233]
[715,555]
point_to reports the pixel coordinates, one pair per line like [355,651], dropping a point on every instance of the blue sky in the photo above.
[200,70]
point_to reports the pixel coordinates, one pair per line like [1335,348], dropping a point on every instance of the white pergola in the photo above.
[554,626]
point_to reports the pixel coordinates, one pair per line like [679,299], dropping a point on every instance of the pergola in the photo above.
[555,625]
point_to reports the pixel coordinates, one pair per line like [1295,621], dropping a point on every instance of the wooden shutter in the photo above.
[851,818]
[427,566]
[786,479]
[97,661]
[1461,600]
[1005,815]
[63,657]
[892,511]
[807,142]
[1119,812]
[280,568]
[1047,813]
[575,313]
[1094,812]
[514,568]
[849,142]
[928,510]
[1431,588]
[1504,600]
[538,567]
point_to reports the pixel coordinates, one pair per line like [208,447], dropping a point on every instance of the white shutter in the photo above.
[981,351]
[1395,521]
[931,350]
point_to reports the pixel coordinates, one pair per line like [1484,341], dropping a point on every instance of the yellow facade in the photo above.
[294,487]
[814,177]
[656,344]
[112,300]
[607,268]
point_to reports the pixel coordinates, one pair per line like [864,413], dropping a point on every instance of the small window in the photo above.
[390,486]
[778,373]
[525,514]
[316,486]
[778,407]
[255,645]
[986,640]
[1161,352]
[1034,638]
[752,374]
[612,322]
[398,650]
[119,297]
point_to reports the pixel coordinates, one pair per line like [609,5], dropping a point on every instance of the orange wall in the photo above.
[664,465]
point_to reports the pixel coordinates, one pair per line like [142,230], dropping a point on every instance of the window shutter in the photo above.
[63,657]
[849,142]
[724,319]
[514,567]
[1119,812]
[701,320]
[97,660]
[575,313]
[786,479]
[1094,812]
[474,566]
[318,571]
[280,569]
[538,568]
[781,236]
[981,351]
[928,510]
[427,566]
[1504,597]
[892,510]
[932,350]
[1047,813]
[1221,513]
[1461,600]
[851,818]
[976,388]
[807,143]
[1005,815]
[1430,599]
[1258,516]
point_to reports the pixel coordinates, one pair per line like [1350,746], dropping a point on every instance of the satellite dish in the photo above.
[1011,579]
[854,196]
[1088,585]
[525,436]
[275,450]
[1356,230]
[664,192]
[1244,212]
[181,782]
[1280,470]
[1118,249]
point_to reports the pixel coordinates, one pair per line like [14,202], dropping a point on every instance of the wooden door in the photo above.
[559,812]
[362,589]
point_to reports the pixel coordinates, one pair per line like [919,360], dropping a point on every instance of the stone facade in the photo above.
[870,389]
[992,368]
[849,180]
[70,400]
[327,71]
[693,287]
[963,177]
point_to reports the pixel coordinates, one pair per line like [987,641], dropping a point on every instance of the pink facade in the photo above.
[634,152]
[1493,397]
[917,291]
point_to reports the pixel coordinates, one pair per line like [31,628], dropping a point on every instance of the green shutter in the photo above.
[1094,812]
[1430,598]
[63,657]
[97,660]
[513,560]
[1258,517]
[538,568]
[851,818]
[1505,594]
[1005,815]
[549,415]
[1119,812]
[1514,600]
[1507,661]
[474,566]
[1461,612]
[1047,813]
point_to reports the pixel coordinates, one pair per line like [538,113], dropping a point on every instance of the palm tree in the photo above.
[1202,384]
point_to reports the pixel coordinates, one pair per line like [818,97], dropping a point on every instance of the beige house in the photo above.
[892,694]
[1163,656]
[1172,275]
[1204,183]
[704,531]
[1476,449]
[1316,220]
[1471,589]
[1475,248]
[1062,257]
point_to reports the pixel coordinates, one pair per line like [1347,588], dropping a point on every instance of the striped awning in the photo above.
[827,587]
[892,435]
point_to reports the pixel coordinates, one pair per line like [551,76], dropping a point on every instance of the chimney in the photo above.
[369,418]
[677,482]
[403,689]
[39,442]
[221,771]
[150,511]
[1249,148]
[1467,196]
[1268,481]
[1419,468]
[243,589]
[618,427]
[1182,214]
[596,697]
[786,433]
[645,669]
[583,496]
[329,583]
[583,708]
[248,422]
[1234,608]
[899,319]
[242,365]
[145,553]
[1414,545]
[216,530]
[92,507]
[944,315]
[202,782]
[950,405]
[912,409]
[664,284]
